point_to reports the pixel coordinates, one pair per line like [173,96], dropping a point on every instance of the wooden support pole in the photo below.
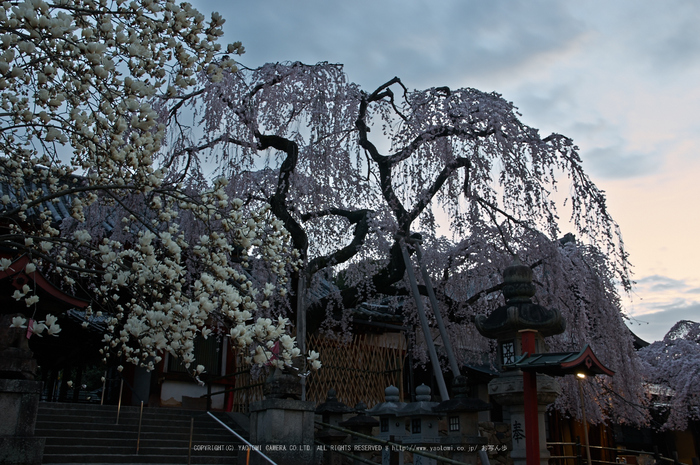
[424,324]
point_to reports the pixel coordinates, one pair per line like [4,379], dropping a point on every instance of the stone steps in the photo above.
[89,434]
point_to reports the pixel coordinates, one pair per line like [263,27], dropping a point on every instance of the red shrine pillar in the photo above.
[532,427]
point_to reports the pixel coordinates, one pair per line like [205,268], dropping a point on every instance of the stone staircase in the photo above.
[87,433]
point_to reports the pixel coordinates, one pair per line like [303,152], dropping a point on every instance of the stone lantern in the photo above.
[424,423]
[363,424]
[19,397]
[331,412]
[462,422]
[391,428]
[519,328]
[508,323]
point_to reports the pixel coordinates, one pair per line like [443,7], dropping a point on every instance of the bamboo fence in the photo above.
[359,371]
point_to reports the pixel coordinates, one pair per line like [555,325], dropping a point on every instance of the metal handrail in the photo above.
[189,449]
[121,389]
[349,455]
[250,446]
[657,456]
[119,405]
[138,436]
[390,443]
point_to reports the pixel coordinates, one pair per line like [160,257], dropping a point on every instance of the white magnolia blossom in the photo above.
[49,324]
[18,322]
[5,264]
[161,255]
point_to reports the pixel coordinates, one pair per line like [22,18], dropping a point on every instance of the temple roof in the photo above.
[16,275]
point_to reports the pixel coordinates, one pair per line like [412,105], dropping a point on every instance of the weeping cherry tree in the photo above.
[353,173]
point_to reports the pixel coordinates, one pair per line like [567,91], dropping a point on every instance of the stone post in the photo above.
[281,424]
[19,398]
[284,430]
[363,424]
[508,391]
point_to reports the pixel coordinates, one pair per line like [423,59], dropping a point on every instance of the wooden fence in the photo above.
[359,371]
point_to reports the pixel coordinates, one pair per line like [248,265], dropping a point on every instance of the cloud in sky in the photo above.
[661,301]
[654,326]
[663,283]
[565,65]
[426,43]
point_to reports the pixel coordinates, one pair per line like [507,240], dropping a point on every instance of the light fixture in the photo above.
[581,375]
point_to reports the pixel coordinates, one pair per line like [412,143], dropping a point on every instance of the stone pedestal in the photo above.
[19,403]
[363,424]
[331,411]
[462,414]
[284,431]
[508,391]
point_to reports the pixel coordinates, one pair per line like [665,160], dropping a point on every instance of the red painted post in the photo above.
[532,427]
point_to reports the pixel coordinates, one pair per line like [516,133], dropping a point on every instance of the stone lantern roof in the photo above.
[361,420]
[519,312]
[390,406]
[460,402]
[333,406]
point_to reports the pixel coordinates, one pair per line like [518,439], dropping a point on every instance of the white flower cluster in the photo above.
[26,290]
[49,325]
[84,75]
[165,286]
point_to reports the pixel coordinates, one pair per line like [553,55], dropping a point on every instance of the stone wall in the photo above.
[499,438]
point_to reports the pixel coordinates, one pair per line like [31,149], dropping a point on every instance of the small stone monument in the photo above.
[363,424]
[19,397]
[391,428]
[281,424]
[424,424]
[462,422]
[331,411]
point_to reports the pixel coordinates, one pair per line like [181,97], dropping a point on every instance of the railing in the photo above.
[386,443]
[121,390]
[658,458]
[250,446]
[211,381]
[119,406]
